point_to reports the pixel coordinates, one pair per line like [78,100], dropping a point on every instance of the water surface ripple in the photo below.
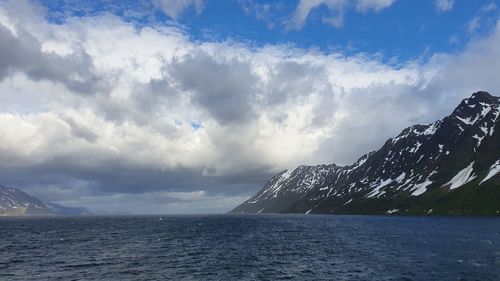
[264,247]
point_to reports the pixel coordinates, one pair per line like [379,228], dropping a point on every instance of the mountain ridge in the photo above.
[61,210]
[413,173]
[15,202]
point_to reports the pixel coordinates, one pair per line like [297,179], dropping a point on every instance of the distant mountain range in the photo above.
[68,211]
[449,167]
[16,203]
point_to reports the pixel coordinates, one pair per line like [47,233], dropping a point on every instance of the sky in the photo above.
[190,106]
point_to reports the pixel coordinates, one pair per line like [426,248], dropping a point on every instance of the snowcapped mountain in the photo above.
[15,202]
[451,166]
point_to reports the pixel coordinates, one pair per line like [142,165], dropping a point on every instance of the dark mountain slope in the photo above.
[451,166]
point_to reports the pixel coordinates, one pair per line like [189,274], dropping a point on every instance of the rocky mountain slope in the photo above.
[451,166]
[15,202]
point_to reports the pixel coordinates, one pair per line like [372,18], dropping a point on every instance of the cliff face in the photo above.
[15,202]
[451,166]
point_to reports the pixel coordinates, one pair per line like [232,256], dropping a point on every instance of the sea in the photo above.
[249,247]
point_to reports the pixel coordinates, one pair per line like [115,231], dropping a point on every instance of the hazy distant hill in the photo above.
[68,211]
[451,166]
[15,202]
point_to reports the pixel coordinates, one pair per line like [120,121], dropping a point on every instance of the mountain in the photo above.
[449,167]
[15,202]
[68,211]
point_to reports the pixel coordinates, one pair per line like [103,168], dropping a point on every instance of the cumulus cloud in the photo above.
[194,124]
[20,51]
[228,102]
[175,8]
[444,5]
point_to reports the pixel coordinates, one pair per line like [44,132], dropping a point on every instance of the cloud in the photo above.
[444,5]
[228,102]
[262,12]
[375,5]
[157,202]
[131,144]
[175,8]
[305,7]
[336,10]
[20,51]
[473,25]
[484,19]
[489,8]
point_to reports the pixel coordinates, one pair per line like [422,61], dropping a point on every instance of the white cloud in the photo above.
[305,7]
[473,25]
[489,7]
[444,5]
[175,8]
[260,110]
[262,12]
[336,8]
[453,39]
[375,5]
[483,19]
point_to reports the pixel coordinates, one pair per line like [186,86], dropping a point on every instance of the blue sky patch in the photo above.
[405,30]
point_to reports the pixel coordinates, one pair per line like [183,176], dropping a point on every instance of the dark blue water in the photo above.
[271,247]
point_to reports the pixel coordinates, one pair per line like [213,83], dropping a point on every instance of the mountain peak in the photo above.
[478,98]
[15,202]
[481,95]
[425,169]
[478,104]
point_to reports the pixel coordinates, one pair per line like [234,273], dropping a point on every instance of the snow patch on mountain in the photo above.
[432,128]
[278,184]
[377,188]
[421,187]
[478,138]
[467,121]
[416,147]
[401,177]
[463,177]
[392,211]
[494,169]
